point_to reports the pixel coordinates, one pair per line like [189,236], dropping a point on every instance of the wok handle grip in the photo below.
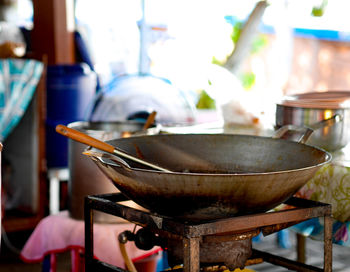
[83,138]
[307,131]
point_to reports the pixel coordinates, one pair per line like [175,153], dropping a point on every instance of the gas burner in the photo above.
[225,242]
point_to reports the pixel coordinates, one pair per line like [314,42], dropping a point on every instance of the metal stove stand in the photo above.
[234,228]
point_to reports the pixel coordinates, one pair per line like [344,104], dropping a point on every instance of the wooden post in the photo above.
[53,32]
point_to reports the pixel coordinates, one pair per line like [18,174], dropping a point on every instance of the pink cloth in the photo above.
[59,233]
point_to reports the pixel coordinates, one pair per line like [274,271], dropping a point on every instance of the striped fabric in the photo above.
[18,81]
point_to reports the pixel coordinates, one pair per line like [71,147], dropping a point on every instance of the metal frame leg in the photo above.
[328,246]
[301,244]
[89,239]
[191,254]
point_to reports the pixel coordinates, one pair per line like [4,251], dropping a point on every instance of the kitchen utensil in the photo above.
[148,127]
[150,120]
[215,175]
[309,108]
[88,140]
[107,158]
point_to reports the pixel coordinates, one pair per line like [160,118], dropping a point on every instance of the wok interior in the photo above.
[221,153]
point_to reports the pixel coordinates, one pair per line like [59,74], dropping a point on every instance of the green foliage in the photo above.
[259,43]
[236,31]
[205,101]
[319,10]
[217,62]
[248,80]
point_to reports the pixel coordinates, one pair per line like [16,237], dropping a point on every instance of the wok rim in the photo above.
[328,159]
[225,174]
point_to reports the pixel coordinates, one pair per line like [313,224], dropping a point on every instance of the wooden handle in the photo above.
[83,138]
[150,120]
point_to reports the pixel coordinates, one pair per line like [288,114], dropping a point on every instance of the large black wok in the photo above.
[216,175]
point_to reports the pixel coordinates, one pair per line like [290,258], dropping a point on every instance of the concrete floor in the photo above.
[10,262]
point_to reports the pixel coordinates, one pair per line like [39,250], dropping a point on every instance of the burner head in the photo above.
[232,254]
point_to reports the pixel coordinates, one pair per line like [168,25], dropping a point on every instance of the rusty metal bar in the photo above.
[109,204]
[231,237]
[248,222]
[191,254]
[275,228]
[281,261]
[302,202]
[328,244]
[301,244]
[91,264]
[89,244]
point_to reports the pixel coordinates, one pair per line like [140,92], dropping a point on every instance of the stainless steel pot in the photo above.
[307,109]
[85,178]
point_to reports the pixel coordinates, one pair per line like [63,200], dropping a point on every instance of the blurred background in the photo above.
[224,62]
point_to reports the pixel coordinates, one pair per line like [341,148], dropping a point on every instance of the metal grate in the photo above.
[233,228]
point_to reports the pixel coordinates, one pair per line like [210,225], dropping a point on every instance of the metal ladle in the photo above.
[88,140]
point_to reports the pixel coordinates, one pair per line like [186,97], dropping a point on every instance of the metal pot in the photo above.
[306,109]
[85,178]
[215,175]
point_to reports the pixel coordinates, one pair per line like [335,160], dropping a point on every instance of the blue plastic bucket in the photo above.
[71,91]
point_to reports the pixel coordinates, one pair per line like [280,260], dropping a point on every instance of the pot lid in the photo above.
[321,100]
